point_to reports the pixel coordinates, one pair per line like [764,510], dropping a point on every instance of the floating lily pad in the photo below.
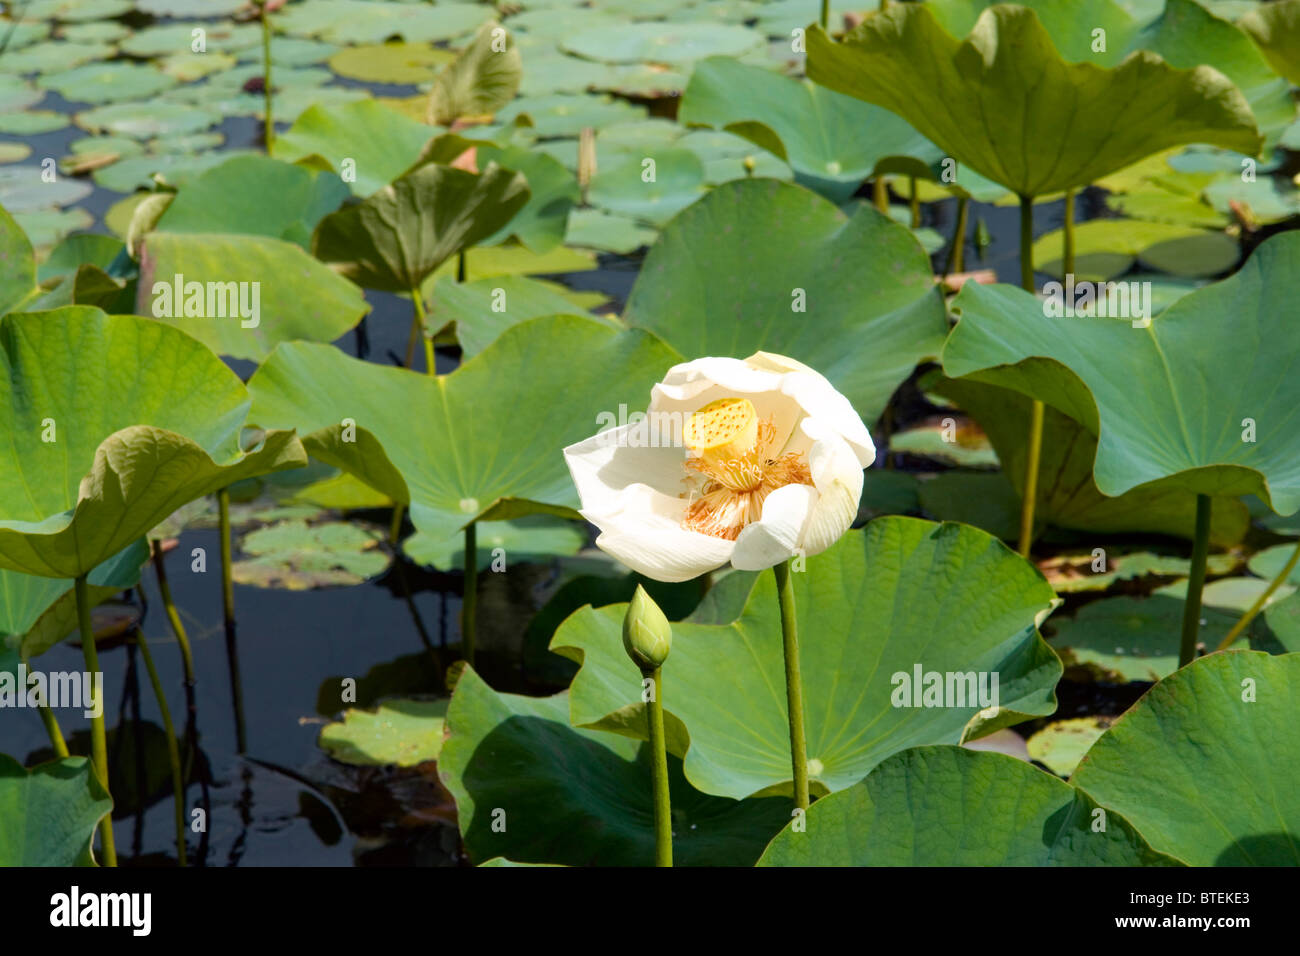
[1283,619]
[54,55]
[296,556]
[108,82]
[33,122]
[189,9]
[484,308]
[402,733]
[563,114]
[661,42]
[483,262]
[722,280]
[576,796]
[969,96]
[961,444]
[48,814]
[359,21]
[676,180]
[380,143]
[598,229]
[14,152]
[927,598]
[1188,366]
[389,62]
[16,95]
[521,411]
[147,120]
[1189,754]
[171,38]
[291,51]
[1133,638]
[1061,745]
[24,188]
[1096,572]
[930,806]
[190,67]
[47,226]
[1268,563]
[1105,248]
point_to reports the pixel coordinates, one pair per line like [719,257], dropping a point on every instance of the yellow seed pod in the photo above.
[724,428]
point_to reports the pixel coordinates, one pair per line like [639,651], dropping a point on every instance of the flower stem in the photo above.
[826,14]
[914,203]
[880,195]
[173,753]
[1029,497]
[422,320]
[269,124]
[187,656]
[469,602]
[395,528]
[1067,259]
[52,728]
[228,612]
[98,738]
[654,714]
[793,683]
[1195,582]
[1231,637]
[957,251]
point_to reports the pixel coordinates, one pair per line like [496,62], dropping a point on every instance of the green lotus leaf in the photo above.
[930,806]
[562,114]
[1068,497]
[661,42]
[653,194]
[1202,764]
[380,143]
[1267,200]
[76,251]
[833,142]
[373,21]
[479,81]
[22,189]
[1205,387]
[1283,618]
[970,97]
[1268,563]
[243,295]
[398,237]
[75,10]
[48,814]
[1061,744]
[608,232]
[1106,248]
[402,733]
[1275,27]
[576,796]
[220,37]
[901,596]
[296,556]
[39,612]
[484,308]
[483,442]
[108,82]
[388,62]
[147,120]
[17,264]
[47,226]
[292,51]
[189,9]
[727,276]
[92,465]
[1132,638]
[255,196]
[553,191]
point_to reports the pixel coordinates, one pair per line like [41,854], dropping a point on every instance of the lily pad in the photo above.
[33,122]
[553,191]
[119,460]
[598,229]
[389,62]
[189,9]
[54,55]
[374,21]
[402,733]
[562,114]
[380,143]
[576,796]
[48,814]
[1283,619]
[724,273]
[108,82]
[962,445]
[1188,766]
[296,556]
[396,238]
[930,806]
[657,42]
[1061,744]
[503,412]
[147,120]
[243,295]
[650,193]
[165,39]
[1200,382]
[925,598]
[531,538]
[970,97]
[1105,248]
[833,142]
[75,10]
[24,188]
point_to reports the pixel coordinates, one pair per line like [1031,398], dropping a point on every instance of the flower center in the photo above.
[732,454]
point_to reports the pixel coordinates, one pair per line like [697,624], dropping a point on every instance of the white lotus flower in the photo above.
[747,462]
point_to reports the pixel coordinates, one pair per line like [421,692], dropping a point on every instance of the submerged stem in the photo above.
[1230,638]
[173,753]
[187,656]
[1195,582]
[1029,498]
[469,602]
[654,713]
[228,612]
[793,683]
[98,737]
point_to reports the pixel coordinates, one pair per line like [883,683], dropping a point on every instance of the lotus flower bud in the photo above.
[647,635]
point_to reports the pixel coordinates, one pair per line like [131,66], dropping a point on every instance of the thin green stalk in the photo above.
[228,612]
[826,14]
[957,248]
[98,737]
[461,266]
[1067,259]
[52,728]
[1231,637]
[1195,582]
[654,713]
[187,655]
[269,126]
[469,603]
[422,319]
[173,752]
[914,202]
[880,195]
[793,683]
[1029,498]
[395,528]
[416,331]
